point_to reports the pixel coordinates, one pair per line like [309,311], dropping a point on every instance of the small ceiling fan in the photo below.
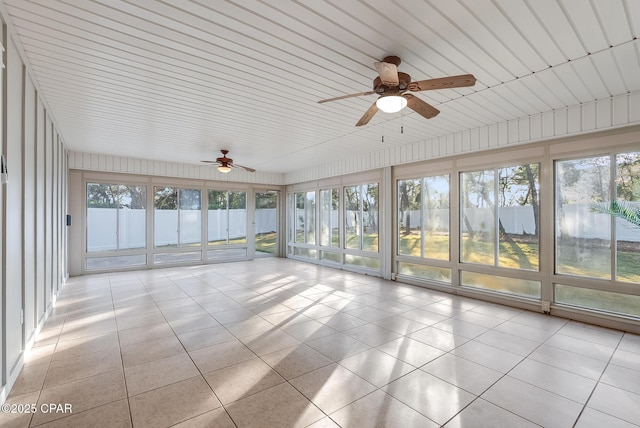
[225,164]
[391,85]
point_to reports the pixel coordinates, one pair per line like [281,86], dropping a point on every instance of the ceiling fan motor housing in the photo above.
[381,88]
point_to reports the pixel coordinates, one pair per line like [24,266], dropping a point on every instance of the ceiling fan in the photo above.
[392,84]
[225,164]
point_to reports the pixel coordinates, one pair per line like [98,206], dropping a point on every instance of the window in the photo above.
[305,213]
[116,217]
[598,199]
[361,217]
[177,217]
[499,217]
[423,217]
[227,217]
[329,209]
[583,238]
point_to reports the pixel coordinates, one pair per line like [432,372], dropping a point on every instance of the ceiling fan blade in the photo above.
[368,115]
[209,161]
[342,97]
[443,83]
[246,168]
[420,107]
[388,73]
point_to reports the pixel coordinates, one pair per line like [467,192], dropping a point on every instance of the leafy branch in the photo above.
[622,209]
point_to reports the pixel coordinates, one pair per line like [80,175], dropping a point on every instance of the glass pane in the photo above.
[165,216]
[352,217]
[583,237]
[516,286]
[300,220]
[410,217]
[237,217]
[618,303]
[330,256]
[116,262]
[436,217]
[628,221]
[310,218]
[266,222]
[132,217]
[102,217]
[227,253]
[425,272]
[177,257]
[305,252]
[190,217]
[329,227]
[518,217]
[217,217]
[370,217]
[367,262]
[477,217]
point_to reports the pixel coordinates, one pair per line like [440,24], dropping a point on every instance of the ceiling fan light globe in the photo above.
[391,103]
[224,169]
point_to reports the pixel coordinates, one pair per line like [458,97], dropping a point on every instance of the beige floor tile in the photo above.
[31,378]
[295,361]
[338,346]
[590,418]
[269,342]
[112,415]
[462,373]
[532,403]
[325,422]
[85,345]
[218,418]
[434,398]
[380,410]
[139,320]
[221,355]
[377,367]
[75,368]
[332,387]
[193,323]
[372,335]
[249,327]
[154,374]
[438,338]
[152,350]
[617,402]
[205,337]
[174,403]
[145,333]
[82,395]
[39,354]
[279,406]
[482,414]
[558,381]
[15,419]
[240,380]
[309,330]
[75,331]
[411,351]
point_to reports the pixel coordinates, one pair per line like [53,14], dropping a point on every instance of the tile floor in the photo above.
[276,343]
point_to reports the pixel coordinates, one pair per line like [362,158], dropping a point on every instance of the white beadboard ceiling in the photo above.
[180,80]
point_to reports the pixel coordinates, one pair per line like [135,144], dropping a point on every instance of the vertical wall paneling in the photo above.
[41,122]
[3,150]
[48,220]
[14,213]
[28,199]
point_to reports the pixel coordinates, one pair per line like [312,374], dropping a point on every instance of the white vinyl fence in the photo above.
[102,224]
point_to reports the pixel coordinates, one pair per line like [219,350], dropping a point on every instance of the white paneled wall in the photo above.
[607,113]
[122,164]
